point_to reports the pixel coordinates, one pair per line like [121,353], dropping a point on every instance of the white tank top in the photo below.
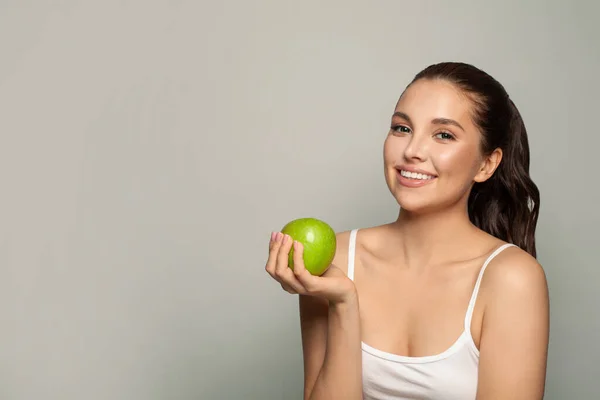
[450,375]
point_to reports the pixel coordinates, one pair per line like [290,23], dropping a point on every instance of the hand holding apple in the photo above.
[318,241]
[300,259]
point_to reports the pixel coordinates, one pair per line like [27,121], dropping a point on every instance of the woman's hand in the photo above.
[333,285]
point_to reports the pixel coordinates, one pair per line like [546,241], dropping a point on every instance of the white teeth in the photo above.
[414,175]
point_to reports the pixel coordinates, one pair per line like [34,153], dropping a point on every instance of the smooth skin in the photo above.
[414,276]
[329,319]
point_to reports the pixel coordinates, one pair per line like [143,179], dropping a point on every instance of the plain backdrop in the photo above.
[148,148]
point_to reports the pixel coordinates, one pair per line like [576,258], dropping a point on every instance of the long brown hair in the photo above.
[506,205]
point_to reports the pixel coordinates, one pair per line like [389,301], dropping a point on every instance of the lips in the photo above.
[414,178]
[415,175]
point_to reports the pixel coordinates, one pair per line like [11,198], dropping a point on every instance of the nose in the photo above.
[416,149]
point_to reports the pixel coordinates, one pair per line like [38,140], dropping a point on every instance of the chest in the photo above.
[412,314]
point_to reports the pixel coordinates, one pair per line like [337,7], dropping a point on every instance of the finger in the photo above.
[288,289]
[274,246]
[290,281]
[305,278]
[298,255]
[272,241]
[287,278]
[283,273]
[283,255]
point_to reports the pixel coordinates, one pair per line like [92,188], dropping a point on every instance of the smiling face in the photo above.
[432,154]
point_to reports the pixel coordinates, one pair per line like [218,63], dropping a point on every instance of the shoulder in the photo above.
[515,328]
[368,240]
[515,293]
[365,238]
[514,271]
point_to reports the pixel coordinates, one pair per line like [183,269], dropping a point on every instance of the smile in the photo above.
[413,179]
[415,175]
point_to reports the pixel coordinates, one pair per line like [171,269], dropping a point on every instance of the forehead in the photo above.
[427,99]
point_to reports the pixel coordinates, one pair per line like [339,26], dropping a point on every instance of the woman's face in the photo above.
[432,153]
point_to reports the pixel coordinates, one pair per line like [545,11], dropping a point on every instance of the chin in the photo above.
[427,203]
[416,206]
[408,199]
[418,201]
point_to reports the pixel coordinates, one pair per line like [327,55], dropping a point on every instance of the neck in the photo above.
[426,239]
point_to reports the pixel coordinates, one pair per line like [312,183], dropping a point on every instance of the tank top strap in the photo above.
[351,253]
[473,299]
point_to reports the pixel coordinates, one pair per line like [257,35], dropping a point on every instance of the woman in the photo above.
[430,324]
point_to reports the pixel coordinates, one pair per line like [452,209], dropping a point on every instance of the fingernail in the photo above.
[286,238]
[279,236]
[272,236]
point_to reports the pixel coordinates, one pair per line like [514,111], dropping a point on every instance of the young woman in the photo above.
[448,301]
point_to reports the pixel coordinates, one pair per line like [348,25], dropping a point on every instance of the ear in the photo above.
[488,166]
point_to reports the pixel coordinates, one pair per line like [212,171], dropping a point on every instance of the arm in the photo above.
[331,349]
[515,330]
[331,339]
[329,318]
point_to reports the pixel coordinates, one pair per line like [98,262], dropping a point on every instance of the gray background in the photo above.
[148,148]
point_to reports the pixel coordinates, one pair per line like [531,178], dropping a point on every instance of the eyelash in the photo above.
[451,136]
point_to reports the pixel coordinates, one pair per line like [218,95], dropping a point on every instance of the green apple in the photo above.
[319,241]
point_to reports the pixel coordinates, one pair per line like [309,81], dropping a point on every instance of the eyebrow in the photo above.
[435,121]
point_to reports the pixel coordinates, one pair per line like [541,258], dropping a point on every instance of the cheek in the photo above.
[392,149]
[455,160]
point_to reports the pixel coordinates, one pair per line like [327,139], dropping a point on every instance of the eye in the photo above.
[401,129]
[445,136]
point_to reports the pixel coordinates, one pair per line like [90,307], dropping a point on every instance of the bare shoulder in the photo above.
[515,328]
[367,240]
[514,271]
[370,239]
[515,292]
